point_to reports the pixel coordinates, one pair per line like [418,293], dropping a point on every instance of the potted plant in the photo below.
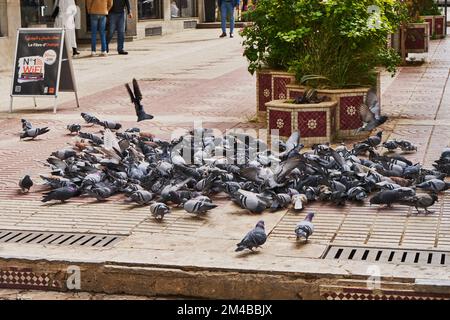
[340,40]
[429,11]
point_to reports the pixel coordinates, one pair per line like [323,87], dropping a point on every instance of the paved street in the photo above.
[194,76]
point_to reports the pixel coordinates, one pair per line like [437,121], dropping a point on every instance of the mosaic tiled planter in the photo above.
[271,85]
[347,109]
[436,26]
[416,37]
[316,122]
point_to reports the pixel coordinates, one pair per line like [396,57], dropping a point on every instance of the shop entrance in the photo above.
[36,13]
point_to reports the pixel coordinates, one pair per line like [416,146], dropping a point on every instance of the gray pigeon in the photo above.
[305,228]
[33,132]
[159,210]
[253,202]
[387,197]
[370,112]
[423,201]
[434,185]
[141,197]
[74,128]
[26,125]
[254,238]
[64,154]
[89,118]
[61,194]
[25,183]
[198,206]
[110,125]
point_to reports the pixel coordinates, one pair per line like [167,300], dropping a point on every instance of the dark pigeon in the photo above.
[254,238]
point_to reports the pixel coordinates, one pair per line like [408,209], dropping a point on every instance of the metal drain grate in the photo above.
[387,255]
[59,238]
[153,31]
[192,24]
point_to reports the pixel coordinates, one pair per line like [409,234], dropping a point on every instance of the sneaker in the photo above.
[223,35]
[231,35]
[104,54]
[123,52]
[94,54]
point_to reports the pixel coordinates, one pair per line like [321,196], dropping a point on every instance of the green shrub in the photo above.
[336,39]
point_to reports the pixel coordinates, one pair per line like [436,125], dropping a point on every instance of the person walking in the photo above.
[98,10]
[117,22]
[66,16]
[227,7]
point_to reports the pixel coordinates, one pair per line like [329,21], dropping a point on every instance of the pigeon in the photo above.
[133,130]
[73,128]
[33,133]
[141,197]
[253,202]
[423,201]
[254,238]
[198,206]
[387,197]
[299,201]
[406,146]
[136,98]
[391,145]
[375,140]
[305,228]
[159,210]
[89,118]
[64,154]
[112,125]
[434,185]
[61,194]
[26,125]
[370,112]
[25,183]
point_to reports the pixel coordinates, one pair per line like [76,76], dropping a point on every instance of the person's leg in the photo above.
[112,28]
[120,32]
[231,12]
[223,18]
[102,23]
[94,27]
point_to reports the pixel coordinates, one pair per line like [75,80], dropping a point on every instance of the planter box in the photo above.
[417,37]
[347,109]
[436,26]
[271,85]
[316,122]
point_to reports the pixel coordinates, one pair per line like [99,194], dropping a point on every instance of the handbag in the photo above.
[56,10]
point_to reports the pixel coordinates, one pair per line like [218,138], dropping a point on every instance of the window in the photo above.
[149,9]
[36,12]
[3,19]
[183,8]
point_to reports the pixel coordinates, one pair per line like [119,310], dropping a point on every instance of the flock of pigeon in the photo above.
[188,171]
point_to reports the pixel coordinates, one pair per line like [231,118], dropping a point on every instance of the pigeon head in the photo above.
[434,197]
[260,224]
[309,216]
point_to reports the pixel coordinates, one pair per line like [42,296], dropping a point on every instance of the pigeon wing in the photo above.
[366,115]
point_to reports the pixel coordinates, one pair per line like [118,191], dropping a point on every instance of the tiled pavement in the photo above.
[417,101]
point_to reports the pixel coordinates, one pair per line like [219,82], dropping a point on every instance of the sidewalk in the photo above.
[190,77]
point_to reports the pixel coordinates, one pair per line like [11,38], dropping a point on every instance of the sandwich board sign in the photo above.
[42,65]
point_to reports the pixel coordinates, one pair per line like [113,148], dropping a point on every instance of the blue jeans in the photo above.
[225,9]
[98,22]
[117,22]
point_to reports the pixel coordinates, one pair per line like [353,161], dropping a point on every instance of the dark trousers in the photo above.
[117,23]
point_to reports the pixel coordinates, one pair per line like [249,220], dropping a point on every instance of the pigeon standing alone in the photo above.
[305,228]
[25,183]
[73,128]
[254,238]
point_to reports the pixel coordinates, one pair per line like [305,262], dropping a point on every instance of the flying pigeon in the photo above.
[254,238]
[136,98]
[305,228]
[25,183]
[370,112]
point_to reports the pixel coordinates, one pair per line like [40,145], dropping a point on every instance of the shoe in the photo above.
[94,54]
[231,35]
[75,52]
[123,52]
[223,35]
[104,54]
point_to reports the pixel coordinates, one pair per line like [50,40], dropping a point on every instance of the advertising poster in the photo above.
[37,62]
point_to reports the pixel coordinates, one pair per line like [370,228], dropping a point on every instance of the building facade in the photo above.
[150,18]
